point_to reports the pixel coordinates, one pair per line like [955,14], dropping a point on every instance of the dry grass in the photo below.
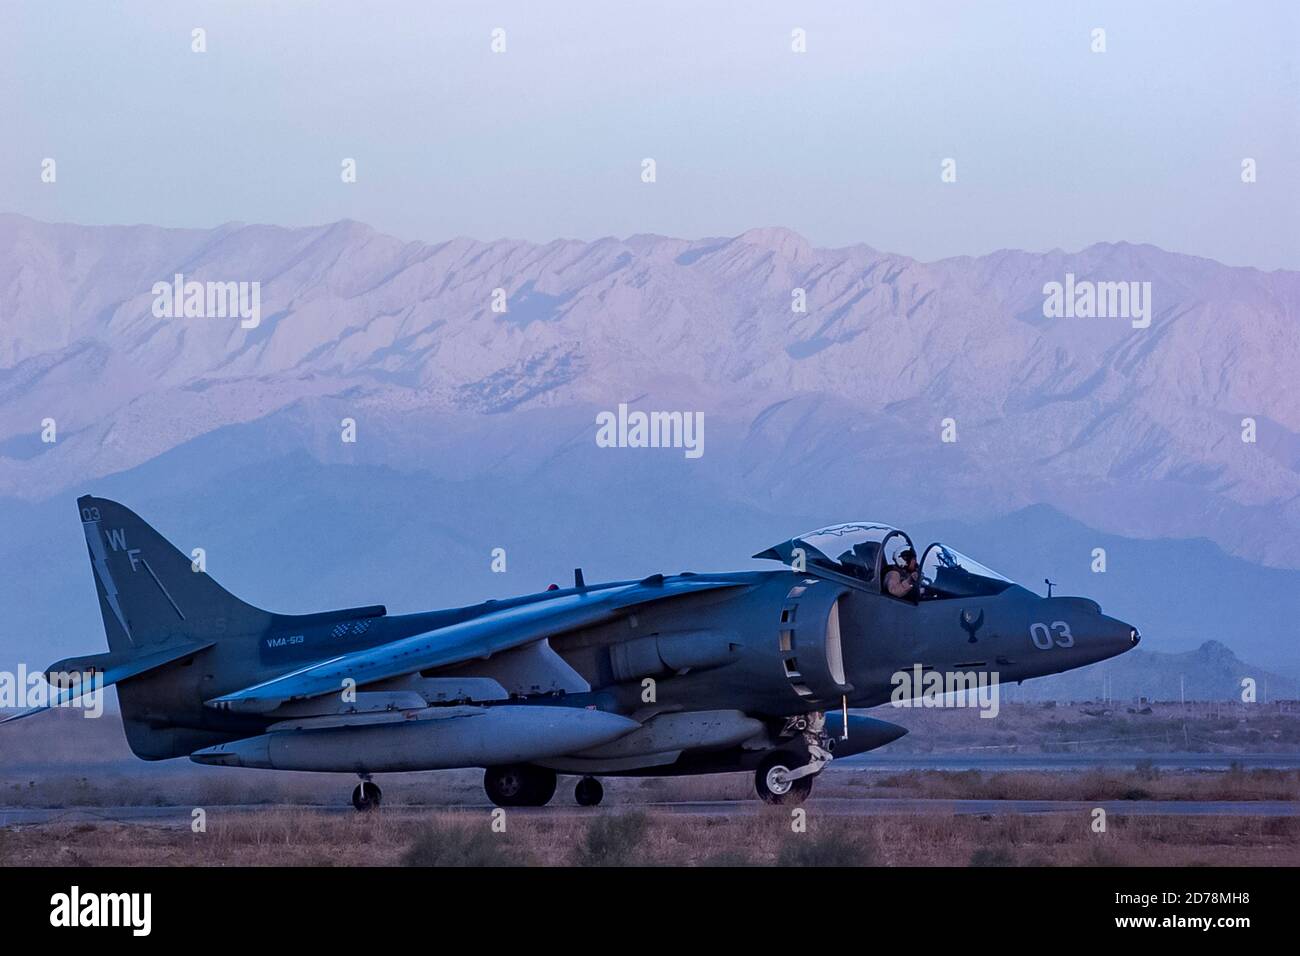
[657,838]
[441,819]
[1198,727]
[1071,785]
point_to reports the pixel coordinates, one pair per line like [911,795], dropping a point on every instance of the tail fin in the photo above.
[149,592]
[155,604]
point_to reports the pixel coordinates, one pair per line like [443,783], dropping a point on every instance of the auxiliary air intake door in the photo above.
[811,648]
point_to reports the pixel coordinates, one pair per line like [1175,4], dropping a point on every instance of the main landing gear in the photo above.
[588,792]
[519,785]
[367,795]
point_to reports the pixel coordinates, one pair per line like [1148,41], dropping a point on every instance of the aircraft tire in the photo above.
[541,787]
[519,785]
[588,792]
[771,790]
[367,796]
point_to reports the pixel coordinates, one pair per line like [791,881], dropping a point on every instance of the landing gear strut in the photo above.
[786,776]
[519,785]
[774,781]
[588,792]
[367,796]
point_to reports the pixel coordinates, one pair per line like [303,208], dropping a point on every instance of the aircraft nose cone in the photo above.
[1121,636]
[1108,637]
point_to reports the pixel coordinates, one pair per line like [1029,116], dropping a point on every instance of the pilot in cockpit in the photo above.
[901,580]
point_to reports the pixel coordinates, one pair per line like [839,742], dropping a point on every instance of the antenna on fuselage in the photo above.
[1050,585]
[578,580]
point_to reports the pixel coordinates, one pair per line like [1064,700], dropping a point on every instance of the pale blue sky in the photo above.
[1055,145]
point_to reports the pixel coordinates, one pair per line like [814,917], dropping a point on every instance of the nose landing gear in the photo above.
[775,782]
[786,776]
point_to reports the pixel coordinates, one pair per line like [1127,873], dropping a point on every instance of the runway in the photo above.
[879,760]
[180,816]
[994,762]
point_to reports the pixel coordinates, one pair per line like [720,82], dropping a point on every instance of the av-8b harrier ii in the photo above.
[669,675]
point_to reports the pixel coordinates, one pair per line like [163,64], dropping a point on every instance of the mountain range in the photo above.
[475,428]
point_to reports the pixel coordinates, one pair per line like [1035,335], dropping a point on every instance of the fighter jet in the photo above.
[668,675]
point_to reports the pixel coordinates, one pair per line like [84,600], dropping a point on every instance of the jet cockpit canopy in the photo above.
[858,549]
[865,550]
[947,573]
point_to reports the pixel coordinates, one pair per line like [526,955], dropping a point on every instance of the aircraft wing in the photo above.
[475,639]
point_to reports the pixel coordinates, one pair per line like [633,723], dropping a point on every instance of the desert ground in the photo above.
[77,780]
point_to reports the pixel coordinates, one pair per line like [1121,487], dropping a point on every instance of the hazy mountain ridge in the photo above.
[1211,672]
[811,417]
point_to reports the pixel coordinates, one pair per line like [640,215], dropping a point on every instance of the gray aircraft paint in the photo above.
[686,673]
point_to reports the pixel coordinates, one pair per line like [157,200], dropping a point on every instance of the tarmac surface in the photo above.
[1071,761]
[1182,760]
[835,806]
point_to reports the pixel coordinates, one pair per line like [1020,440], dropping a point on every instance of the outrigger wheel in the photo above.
[773,783]
[519,785]
[367,796]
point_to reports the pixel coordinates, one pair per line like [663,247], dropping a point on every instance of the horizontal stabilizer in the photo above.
[76,676]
